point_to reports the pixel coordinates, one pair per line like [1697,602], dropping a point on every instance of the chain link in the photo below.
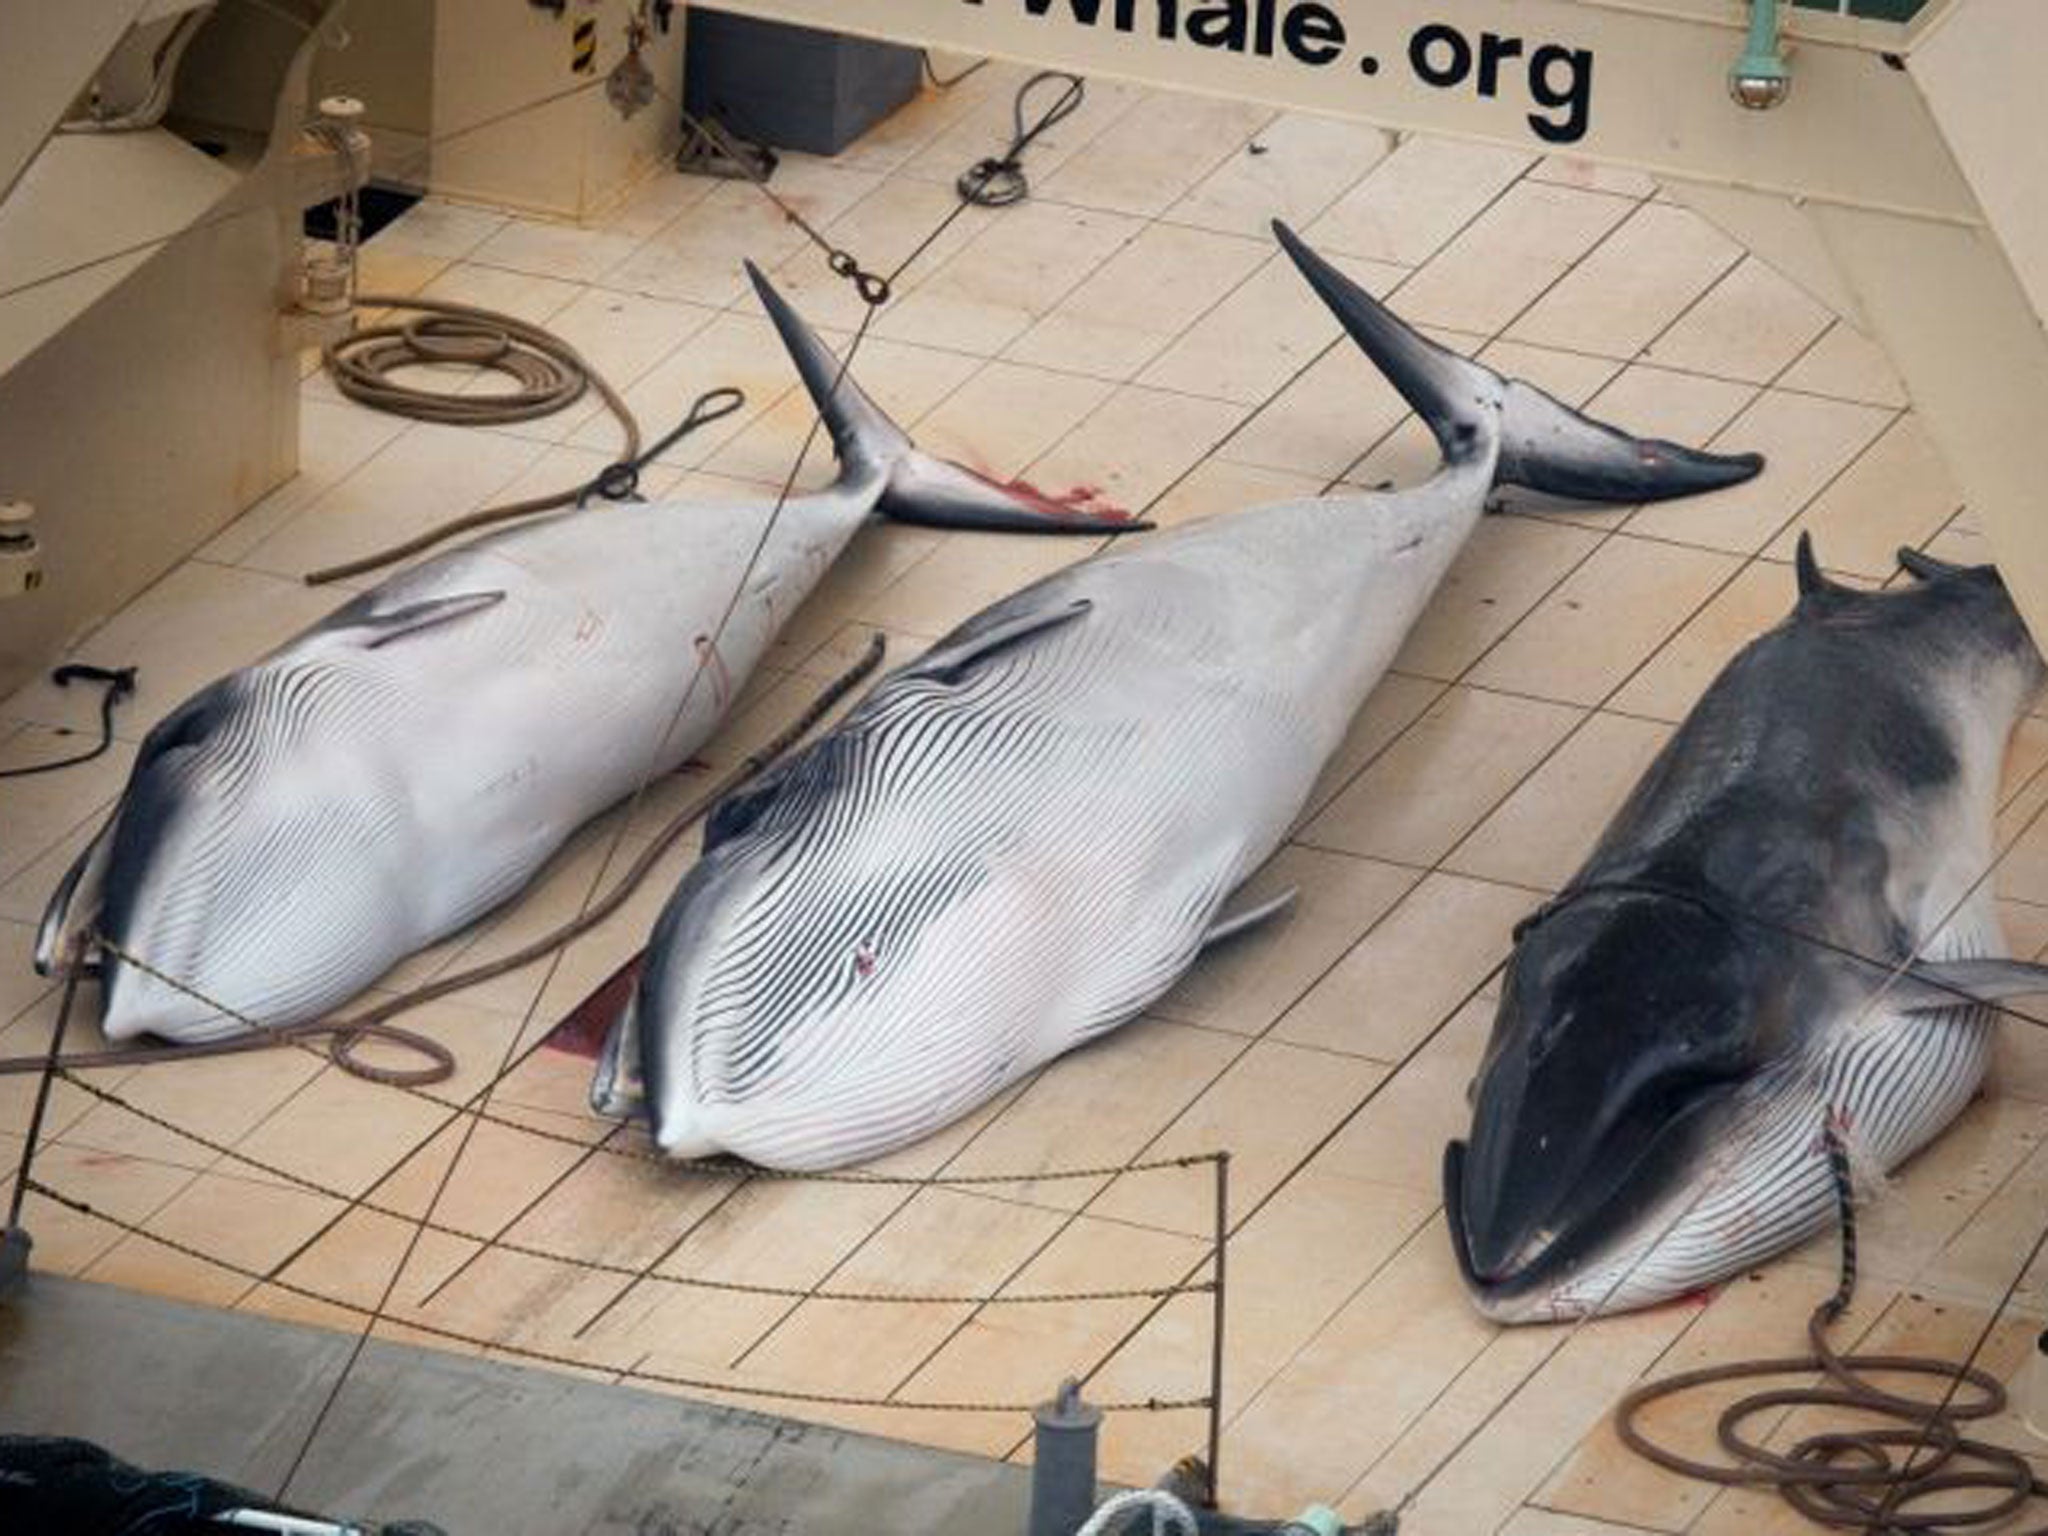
[873,288]
[599,1266]
[571,1362]
[706,1167]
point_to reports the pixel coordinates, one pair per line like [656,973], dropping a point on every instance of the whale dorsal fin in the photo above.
[1813,581]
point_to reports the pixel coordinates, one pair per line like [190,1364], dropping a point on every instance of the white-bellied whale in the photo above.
[1019,840]
[1787,927]
[395,772]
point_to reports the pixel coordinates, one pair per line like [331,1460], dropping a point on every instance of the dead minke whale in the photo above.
[410,762]
[1785,936]
[1016,842]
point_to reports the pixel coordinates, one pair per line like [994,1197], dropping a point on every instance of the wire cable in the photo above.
[999,180]
[947,82]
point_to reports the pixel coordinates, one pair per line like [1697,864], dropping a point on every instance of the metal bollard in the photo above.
[1063,1462]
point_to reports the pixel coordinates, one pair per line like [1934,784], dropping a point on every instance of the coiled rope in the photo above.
[547,373]
[1850,1478]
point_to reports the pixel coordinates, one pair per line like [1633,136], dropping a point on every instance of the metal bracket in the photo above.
[709,151]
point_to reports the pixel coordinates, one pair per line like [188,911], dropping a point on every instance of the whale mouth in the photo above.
[1536,1289]
[1484,1287]
[1540,1276]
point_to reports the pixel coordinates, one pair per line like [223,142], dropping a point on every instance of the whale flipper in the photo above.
[615,1087]
[378,628]
[953,657]
[1958,983]
[1229,925]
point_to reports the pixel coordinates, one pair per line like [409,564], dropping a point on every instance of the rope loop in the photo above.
[615,482]
[454,339]
[343,1039]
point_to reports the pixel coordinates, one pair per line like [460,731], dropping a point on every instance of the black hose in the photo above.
[119,682]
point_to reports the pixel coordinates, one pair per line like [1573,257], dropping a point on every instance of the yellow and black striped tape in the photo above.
[583,45]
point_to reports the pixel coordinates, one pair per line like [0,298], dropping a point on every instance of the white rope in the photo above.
[1167,1511]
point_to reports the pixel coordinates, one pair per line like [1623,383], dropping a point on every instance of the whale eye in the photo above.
[191,723]
[864,959]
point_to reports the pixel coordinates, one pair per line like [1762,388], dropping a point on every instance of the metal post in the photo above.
[1063,1462]
[1216,1330]
[14,1240]
[14,1247]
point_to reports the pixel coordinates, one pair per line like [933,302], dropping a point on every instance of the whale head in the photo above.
[829,982]
[243,882]
[1627,1027]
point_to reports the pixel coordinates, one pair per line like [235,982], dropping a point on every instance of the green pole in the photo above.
[1760,79]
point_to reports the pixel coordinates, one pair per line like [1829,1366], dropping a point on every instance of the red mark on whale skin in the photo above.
[1076,501]
[583,1032]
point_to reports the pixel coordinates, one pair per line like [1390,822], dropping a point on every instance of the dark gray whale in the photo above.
[1786,925]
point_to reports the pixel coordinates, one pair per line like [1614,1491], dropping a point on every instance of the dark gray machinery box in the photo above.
[788,86]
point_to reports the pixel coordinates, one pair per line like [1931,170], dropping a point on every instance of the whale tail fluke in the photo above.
[1541,444]
[918,488]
